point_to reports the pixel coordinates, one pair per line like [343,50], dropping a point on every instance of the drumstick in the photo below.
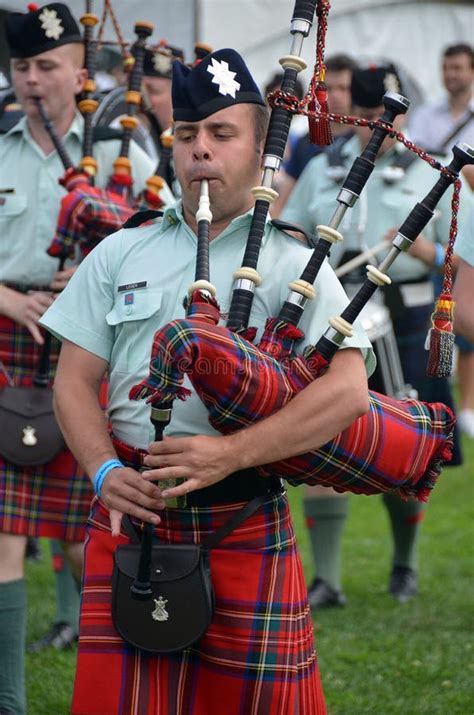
[361,258]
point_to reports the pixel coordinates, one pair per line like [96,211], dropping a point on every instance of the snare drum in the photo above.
[388,376]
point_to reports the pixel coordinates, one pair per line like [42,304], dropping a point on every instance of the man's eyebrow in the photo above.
[222,125]
[189,126]
[26,60]
[184,127]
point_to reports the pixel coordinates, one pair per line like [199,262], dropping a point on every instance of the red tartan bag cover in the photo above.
[398,444]
[87,215]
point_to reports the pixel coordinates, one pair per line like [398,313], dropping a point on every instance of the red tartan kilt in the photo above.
[20,354]
[53,499]
[256,658]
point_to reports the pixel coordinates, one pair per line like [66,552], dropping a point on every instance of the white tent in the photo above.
[412,34]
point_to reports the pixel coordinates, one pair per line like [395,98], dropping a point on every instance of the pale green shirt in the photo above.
[30,196]
[464,246]
[383,205]
[95,313]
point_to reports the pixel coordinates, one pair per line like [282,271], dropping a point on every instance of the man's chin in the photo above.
[31,111]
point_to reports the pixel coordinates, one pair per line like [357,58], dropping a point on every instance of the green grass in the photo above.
[376,656]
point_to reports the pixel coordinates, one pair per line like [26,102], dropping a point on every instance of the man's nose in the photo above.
[201,149]
[31,75]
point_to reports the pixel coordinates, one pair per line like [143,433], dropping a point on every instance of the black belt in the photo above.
[237,487]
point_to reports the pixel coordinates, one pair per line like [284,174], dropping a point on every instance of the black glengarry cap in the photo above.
[159,60]
[369,84]
[41,29]
[219,80]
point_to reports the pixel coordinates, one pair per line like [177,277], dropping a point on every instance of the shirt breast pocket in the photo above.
[12,205]
[135,317]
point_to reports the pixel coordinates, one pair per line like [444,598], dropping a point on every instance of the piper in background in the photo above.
[52,499]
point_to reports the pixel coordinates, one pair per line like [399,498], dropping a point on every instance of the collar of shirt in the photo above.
[174,215]
[75,130]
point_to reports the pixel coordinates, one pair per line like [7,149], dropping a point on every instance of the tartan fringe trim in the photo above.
[428,481]
[142,390]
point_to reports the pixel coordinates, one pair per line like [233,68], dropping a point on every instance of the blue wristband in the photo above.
[439,255]
[102,473]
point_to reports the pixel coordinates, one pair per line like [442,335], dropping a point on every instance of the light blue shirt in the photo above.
[93,313]
[431,124]
[30,196]
[383,205]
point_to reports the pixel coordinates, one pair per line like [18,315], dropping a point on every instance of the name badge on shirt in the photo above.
[128,289]
[132,286]
[5,191]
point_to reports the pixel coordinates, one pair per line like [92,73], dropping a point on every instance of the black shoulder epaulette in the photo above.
[140,217]
[9,119]
[103,134]
[285,226]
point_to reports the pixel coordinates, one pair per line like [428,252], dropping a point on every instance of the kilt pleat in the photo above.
[52,499]
[258,655]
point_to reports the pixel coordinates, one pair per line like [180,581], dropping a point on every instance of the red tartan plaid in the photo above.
[147,200]
[258,655]
[396,445]
[87,215]
[121,184]
[53,499]
[20,354]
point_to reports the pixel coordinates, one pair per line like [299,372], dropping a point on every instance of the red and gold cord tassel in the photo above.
[319,127]
[441,338]
[441,334]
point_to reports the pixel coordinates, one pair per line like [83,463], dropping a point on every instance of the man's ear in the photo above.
[81,76]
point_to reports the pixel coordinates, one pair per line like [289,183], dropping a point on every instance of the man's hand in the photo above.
[27,309]
[125,491]
[200,460]
[422,248]
[390,234]
[62,278]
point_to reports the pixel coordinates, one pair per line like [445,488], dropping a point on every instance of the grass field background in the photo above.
[376,656]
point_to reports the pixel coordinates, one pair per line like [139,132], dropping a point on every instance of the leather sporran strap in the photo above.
[213,539]
[240,516]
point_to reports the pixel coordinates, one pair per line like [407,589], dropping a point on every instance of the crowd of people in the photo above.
[103,311]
